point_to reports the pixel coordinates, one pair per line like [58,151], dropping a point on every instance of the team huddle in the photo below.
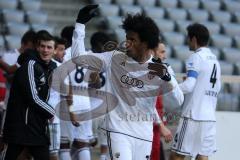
[55,100]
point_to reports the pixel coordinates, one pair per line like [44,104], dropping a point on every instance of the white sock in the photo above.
[64,154]
[103,157]
[84,154]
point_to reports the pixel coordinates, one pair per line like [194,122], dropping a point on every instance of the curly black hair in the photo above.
[144,26]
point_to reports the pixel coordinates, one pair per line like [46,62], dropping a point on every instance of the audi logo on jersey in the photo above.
[134,82]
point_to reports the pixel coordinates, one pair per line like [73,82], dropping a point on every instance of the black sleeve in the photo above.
[31,91]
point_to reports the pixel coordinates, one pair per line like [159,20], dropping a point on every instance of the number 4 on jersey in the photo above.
[213,78]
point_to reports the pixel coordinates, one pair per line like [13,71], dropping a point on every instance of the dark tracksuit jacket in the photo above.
[27,110]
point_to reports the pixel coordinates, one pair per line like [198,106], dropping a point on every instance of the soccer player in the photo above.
[28,112]
[131,81]
[54,99]
[158,130]
[98,41]
[196,133]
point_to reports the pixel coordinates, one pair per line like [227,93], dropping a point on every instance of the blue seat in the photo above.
[231,55]
[186,4]
[109,10]
[165,25]
[176,14]
[154,12]
[30,5]
[17,28]
[8,4]
[130,9]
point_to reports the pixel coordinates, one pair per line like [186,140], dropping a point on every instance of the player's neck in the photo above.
[143,58]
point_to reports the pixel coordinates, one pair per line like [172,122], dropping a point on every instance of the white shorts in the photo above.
[54,129]
[195,138]
[124,147]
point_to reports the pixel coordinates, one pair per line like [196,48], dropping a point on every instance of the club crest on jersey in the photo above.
[150,76]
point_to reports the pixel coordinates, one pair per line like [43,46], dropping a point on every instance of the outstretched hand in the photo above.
[159,69]
[86,13]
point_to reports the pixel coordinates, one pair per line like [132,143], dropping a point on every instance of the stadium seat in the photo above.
[234,88]
[231,29]
[236,16]
[2,43]
[109,10]
[226,68]
[146,3]
[17,28]
[174,38]
[228,102]
[8,4]
[36,17]
[181,52]
[215,51]
[231,6]
[30,5]
[12,15]
[176,14]
[120,34]
[237,66]
[102,1]
[13,41]
[231,55]
[130,9]
[177,65]
[210,5]
[124,2]
[154,12]
[221,41]
[237,41]
[168,3]
[214,28]
[165,25]
[189,4]
[198,15]
[220,16]
[182,25]
[38,27]
[114,22]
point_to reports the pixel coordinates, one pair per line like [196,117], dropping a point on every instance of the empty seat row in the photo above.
[11,15]
[195,15]
[209,5]
[13,40]
[26,5]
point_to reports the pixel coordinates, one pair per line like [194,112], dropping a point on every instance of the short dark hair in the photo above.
[44,35]
[59,40]
[67,33]
[144,26]
[97,41]
[29,36]
[200,32]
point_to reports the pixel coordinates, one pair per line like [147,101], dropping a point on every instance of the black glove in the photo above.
[160,69]
[86,13]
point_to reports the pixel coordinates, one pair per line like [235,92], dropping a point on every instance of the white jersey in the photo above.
[80,103]
[11,57]
[130,90]
[200,104]
[55,98]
